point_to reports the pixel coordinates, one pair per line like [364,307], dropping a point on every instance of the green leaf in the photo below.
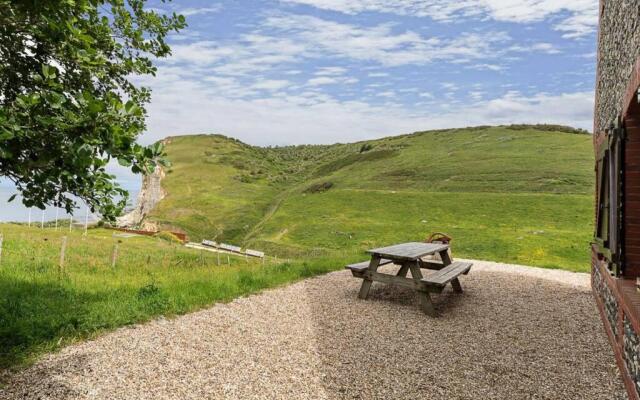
[95,107]
[131,108]
[49,71]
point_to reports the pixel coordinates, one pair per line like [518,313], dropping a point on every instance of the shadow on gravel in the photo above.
[43,382]
[505,337]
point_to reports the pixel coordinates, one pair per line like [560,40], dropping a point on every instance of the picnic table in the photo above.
[411,257]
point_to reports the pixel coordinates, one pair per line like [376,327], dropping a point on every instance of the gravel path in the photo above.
[516,333]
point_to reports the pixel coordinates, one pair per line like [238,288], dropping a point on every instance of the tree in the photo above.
[67,102]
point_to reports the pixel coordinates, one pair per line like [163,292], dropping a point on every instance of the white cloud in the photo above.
[546,48]
[476,94]
[449,86]
[487,67]
[582,16]
[380,43]
[285,41]
[388,93]
[326,80]
[331,71]
[322,81]
[271,84]
[249,54]
[188,12]
[324,119]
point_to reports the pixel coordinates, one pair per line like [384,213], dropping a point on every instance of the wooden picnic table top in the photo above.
[408,251]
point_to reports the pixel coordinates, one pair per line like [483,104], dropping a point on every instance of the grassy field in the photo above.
[43,307]
[520,194]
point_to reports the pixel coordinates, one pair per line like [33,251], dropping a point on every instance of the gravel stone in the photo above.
[515,333]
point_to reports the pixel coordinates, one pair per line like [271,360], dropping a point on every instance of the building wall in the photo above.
[618,304]
[616,96]
[618,50]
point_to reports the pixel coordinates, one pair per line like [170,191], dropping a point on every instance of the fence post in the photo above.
[1,240]
[218,258]
[29,218]
[86,221]
[57,213]
[63,248]
[228,260]
[42,220]
[114,256]
[70,222]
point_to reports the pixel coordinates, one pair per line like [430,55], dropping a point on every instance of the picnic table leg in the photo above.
[366,282]
[403,270]
[425,299]
[444,256]
[455,284]
[426,305]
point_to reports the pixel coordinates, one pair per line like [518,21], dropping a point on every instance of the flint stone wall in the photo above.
[618,50]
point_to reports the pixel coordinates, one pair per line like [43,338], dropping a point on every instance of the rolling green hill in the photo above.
[519,194]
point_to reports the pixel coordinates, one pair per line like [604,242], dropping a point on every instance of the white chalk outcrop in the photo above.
[150,195]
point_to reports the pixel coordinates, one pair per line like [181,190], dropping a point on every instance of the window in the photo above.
[608,234]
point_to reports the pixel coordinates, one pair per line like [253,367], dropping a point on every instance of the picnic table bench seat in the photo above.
[450,273]
[425,264]
[361,266]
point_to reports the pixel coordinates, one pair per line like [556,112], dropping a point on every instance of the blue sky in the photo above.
[324,71]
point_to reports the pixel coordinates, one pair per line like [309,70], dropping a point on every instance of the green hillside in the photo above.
[518,194]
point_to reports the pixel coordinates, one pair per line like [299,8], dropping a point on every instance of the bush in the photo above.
[365,147]
[319,187]
[168,236]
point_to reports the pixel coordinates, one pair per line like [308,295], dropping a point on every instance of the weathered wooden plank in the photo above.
[431,264]
[361,266]
[366,282]
[408,251]
[457,287]
[393,279]
[254,253]
[448,273]
[444,256]
[403,270]
[427,305]
[416,274]
[452,274]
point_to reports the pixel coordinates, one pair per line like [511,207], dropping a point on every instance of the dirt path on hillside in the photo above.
[516,333]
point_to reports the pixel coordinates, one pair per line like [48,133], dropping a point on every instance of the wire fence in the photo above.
[58,250]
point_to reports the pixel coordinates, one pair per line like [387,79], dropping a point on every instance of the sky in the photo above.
[279,72]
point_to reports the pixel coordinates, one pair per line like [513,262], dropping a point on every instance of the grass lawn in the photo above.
[42,308]
[544,230]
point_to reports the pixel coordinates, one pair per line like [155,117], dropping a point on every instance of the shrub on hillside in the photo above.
[319,187]
[168,236]
[548,128]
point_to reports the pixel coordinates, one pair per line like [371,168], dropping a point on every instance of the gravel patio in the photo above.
[516,333]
